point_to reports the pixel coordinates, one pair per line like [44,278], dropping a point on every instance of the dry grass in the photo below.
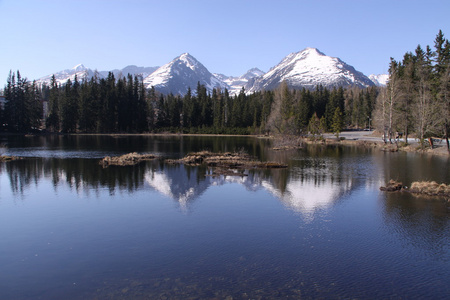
[227,160]
[287,142]
[4,158]
[126,160]
[392,186]
[430,188]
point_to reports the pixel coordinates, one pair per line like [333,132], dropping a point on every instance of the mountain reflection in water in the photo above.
[304,195]
[183,184]
[318,229]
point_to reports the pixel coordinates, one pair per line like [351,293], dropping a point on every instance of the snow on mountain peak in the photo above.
[79,67]
[304,69]
[182,73]
[309,68]
[188,60]
[380,79]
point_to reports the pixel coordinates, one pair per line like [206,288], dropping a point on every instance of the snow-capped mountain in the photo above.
[309,68]
[80,71]
[235,84]
[181,73]
[380,79]
[131,69]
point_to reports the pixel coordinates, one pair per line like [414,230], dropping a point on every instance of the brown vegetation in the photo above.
[430,188]
[287,142]
[392,186]
[225,161]
[8,158]
[126,160]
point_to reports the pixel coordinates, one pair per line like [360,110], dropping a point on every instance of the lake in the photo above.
[70,229]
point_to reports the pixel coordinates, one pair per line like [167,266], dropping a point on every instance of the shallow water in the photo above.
[319,229]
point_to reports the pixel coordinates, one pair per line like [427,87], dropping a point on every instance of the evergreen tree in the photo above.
[267,100]
[69,106]
[314,127]
[142,106]
[85,107]
[425,111]
[337,120]
[217,102]
[302,111]
[152,98]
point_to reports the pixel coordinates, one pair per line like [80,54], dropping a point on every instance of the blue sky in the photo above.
[41,37]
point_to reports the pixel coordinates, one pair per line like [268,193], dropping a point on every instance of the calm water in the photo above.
[70,229]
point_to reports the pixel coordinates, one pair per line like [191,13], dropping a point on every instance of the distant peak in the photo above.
[79,67]
[185,54]
[312,50]
[255,70]
[186,57]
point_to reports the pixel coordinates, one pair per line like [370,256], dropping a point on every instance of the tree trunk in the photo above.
[446,137]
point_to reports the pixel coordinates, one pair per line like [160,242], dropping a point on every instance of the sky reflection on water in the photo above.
[321,228]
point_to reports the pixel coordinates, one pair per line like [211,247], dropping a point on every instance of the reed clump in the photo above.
[392,186]
[4,158]
[129,159]
[431,188]
[226,160]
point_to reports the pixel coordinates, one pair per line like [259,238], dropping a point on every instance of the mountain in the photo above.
[235,84]
[309,68]
[380,79]
[61,77]
[81,72]
[180,74]
[131,69]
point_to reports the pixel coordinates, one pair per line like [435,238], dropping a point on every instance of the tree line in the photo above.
[124,105]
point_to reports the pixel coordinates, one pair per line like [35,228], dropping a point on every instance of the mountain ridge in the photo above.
[304,69]
[182,73]
[309,68]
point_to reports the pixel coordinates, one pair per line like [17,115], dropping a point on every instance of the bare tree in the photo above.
[392,99]
[426,111]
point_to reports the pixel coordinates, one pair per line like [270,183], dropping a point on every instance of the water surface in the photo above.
[319,229]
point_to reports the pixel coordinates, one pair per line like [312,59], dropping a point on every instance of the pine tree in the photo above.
[302,111]
[394,94]
[53,119]
[142,106]
[36,107]
[442,82]
[337,124]
[217,108]
[69,106]
[425,111]
[314,127]
[85,107]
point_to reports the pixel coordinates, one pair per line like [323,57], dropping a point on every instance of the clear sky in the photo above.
[41,37]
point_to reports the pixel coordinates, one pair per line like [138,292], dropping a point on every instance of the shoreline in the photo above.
[373,139]
[351,138]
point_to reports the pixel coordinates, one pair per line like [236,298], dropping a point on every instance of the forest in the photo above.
[415,102]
